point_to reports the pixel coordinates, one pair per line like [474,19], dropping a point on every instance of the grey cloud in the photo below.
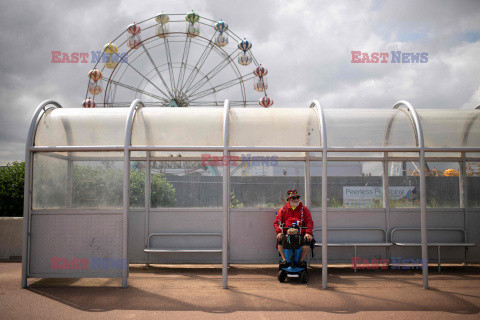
[305,45]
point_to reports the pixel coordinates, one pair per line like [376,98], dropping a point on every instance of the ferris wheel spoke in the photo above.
[155,66]
[206,104]
[126,86]
[193,74]
[169,62]
[183,66]
[210,75]
[221,87]
[148,80]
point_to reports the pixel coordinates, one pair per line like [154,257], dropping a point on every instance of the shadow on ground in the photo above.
[169,288]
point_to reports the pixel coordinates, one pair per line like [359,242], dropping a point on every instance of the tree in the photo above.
[12,177]
[103,187]
[95,187]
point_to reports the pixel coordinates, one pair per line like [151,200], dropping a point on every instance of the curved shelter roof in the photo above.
[276,127]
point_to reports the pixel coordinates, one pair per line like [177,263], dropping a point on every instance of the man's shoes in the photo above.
[302,264]
[283,264]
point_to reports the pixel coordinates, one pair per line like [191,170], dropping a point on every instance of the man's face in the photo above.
[294,201]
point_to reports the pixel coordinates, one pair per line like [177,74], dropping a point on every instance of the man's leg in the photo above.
[305,251]
[282,252]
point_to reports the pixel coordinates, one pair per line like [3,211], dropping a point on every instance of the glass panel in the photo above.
[474,155]
[354,184]
[97,184]
[137,184]
[82,127]
[49,181]
[450,128]
[473,184]
[443,155]
[442,184]
[274,127]
[404,184]
[404,155]
[265,183]
[186,184]
[368,128]
[316,184]
[86,183]
[336,155]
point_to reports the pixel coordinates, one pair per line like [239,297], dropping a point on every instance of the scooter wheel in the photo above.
[304,276]
[282,275]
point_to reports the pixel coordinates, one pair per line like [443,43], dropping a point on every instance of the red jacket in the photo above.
[289,216]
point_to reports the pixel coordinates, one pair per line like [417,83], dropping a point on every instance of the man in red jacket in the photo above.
[292,212]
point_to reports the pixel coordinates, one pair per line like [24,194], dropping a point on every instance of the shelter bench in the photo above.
[384,243]
[433,244]
[150,249]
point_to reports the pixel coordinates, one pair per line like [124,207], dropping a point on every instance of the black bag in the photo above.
[292,241]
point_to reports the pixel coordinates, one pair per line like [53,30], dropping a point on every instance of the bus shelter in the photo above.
[107,187]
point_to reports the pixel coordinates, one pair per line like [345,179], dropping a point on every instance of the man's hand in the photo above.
[308,237]
[279,236]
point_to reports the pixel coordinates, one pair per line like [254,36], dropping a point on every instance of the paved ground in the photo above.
[194,292]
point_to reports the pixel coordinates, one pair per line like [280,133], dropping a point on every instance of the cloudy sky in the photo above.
[306,46]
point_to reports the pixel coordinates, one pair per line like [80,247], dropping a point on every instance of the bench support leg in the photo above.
[438,254]
[355,255]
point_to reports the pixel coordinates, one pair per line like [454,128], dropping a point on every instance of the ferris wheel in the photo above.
[177,60]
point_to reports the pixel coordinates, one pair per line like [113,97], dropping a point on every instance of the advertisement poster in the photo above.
[366,196]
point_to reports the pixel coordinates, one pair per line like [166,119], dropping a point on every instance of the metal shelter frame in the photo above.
[226,149]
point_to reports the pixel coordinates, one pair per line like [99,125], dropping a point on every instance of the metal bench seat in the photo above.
[150,249]
[174,250]
[356,244]
[433,244]
[436,244]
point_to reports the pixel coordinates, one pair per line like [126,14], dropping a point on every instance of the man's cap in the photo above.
[292,193]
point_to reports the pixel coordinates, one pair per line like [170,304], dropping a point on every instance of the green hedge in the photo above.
[92,187]
[103,187]
[12,177]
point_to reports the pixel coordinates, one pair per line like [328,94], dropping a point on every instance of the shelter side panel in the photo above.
[76,244]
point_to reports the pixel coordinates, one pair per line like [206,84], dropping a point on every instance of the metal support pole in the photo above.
[462,183]
[148,193]
[323,138]
[423,219]
[307,179]
[126,186]
[423,201]
[386,195]
[69,181]
[26,217]
[126,211]
[226,196]
[27,195]
[324,221]
[386,201]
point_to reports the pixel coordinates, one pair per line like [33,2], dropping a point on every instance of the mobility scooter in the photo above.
[293,249]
